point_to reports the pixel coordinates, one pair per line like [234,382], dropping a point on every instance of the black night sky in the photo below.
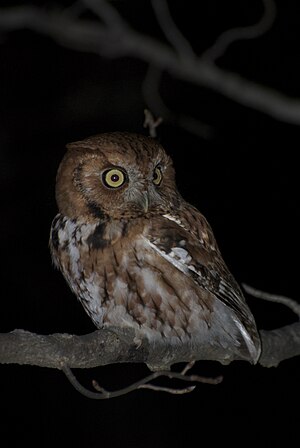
[243,175]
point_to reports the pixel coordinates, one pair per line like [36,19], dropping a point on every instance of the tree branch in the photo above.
[287,301]
[104,347]
[119,41]
[242,33]
[280,344]
[144,383]
[170,30]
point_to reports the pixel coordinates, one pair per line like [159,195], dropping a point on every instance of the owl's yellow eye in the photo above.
[113,178]
[157,176]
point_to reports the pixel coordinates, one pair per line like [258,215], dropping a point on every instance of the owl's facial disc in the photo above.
[131,188]
[116,176]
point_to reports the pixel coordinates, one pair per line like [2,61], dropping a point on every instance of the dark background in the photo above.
[244,178]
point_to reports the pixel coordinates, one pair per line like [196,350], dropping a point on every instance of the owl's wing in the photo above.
[201,260]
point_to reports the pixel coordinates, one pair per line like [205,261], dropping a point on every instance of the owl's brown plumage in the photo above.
[137,255]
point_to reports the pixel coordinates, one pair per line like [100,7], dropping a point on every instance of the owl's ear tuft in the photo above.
[69,146]
[76,145]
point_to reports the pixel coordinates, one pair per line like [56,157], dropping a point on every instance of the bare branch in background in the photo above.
[116,38]
[227,38]
[107,13]
[290,303]
[171,31]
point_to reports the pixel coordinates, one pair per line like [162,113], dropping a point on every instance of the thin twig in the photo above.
[290,303]
[227,38]
[169,390]
[188,367]
[151,123]
[152,97]
[104,394]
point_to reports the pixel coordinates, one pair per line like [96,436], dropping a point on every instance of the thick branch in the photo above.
[107,347]
[116,41]
[280,344]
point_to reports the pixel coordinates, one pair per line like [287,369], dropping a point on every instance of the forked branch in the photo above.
[144,383]
[109,35]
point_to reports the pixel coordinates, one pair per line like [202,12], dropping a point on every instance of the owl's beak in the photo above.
[144,201]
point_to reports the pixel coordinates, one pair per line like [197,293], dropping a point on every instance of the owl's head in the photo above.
[118,175]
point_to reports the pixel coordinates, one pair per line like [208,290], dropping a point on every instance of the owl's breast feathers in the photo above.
[163,276]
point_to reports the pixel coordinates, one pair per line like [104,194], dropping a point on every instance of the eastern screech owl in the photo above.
[137,255]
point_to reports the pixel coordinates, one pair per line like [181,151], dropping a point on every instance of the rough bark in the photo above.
[108,347]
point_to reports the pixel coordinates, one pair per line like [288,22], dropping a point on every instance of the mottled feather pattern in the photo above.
[137,255]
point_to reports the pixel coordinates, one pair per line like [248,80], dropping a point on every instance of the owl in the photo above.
[137,255]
